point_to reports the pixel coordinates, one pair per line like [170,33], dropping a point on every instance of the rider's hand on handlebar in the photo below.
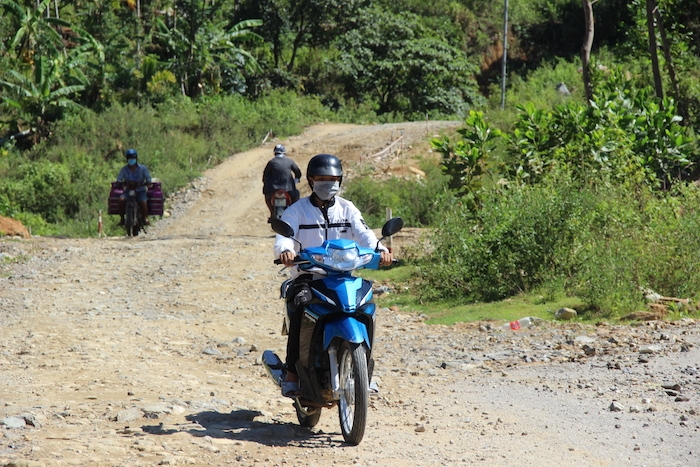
[386,258]
[287,258]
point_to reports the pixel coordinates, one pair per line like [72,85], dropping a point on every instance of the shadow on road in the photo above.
[242,425]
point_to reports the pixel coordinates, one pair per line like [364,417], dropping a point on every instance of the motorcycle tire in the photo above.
[131,221]
[307,416]
[354,392]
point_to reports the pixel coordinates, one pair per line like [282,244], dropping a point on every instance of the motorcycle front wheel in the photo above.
[354,392]
[130,221]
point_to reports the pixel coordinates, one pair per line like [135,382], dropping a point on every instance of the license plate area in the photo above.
[280,201]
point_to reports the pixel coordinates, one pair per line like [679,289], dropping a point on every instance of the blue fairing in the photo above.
[341,289]
[340,243]
[348,329]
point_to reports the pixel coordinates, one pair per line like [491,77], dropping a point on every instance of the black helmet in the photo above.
[279,149]
[131,154]
[324,164]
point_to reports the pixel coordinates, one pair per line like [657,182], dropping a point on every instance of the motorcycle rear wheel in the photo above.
[354,392]
[307,416]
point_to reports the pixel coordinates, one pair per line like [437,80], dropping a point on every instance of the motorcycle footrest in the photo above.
[271,360]
[274,366]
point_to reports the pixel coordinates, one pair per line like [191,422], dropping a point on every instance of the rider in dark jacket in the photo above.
[278,176]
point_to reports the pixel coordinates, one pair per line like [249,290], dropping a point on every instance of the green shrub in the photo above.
[603,244]
[539,87]
[62,183]
[507,247]
[637,240]
[416,201]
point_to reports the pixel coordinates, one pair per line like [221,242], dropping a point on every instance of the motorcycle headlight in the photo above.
[343,260]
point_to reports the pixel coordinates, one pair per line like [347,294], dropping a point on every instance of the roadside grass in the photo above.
[405,297]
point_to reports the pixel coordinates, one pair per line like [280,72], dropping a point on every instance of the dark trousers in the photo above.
[298,296]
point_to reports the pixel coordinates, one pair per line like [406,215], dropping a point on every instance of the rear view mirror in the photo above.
[282,228]
[392,226]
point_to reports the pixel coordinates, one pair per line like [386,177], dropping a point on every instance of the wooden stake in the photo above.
[100,227]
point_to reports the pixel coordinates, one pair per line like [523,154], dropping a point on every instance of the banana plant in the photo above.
[37,99]
[36,33]
[199,56]
[464,161]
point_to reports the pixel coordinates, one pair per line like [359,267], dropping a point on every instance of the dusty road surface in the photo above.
[146,351]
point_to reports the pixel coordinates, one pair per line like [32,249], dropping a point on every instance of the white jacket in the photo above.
[311,228]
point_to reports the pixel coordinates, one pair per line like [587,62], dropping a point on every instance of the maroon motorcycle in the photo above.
[278,202]
[132,214]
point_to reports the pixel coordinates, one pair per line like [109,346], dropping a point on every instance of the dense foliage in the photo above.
[592,201]
[603,244]
[552,191]
[418,202]
[59,185]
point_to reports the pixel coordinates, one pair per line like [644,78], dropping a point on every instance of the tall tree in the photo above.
[290,25]
[201,44]
[586,48]
[392,60]
[653,48]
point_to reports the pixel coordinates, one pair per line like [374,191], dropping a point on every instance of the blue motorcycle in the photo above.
[337,332]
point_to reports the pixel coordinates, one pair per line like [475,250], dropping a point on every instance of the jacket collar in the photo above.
[319,203]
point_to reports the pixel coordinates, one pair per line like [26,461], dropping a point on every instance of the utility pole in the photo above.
[505,54]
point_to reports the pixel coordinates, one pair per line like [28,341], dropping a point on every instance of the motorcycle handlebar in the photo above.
[298,260]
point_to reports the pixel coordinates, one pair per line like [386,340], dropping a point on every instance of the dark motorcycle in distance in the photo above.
[337,332]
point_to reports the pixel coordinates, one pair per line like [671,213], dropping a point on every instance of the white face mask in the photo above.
[326,190]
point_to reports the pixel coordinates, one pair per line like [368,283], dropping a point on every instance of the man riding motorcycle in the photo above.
[278,176]
[134,176]
[314,219]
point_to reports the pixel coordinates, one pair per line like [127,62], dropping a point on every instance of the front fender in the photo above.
[346,328]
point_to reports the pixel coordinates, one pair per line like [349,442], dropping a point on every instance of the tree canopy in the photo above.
[405,58]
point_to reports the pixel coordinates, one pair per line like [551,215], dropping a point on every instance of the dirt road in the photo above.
[146,351]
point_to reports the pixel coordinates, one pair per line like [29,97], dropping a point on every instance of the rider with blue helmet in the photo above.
[137,177]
